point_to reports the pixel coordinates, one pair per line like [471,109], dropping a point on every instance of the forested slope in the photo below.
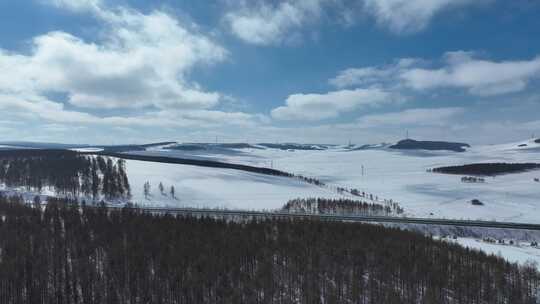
[488,169]
[66,173]
[66,254]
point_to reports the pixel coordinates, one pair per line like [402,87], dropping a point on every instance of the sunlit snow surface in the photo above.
[87,149]
[389,174]
[215,188]
[517,253]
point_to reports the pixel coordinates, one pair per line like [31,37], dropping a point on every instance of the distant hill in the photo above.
[537,141]
[294,146]
[367,147]
[237,146]
[411,144]
[135,147]
[110,148]
[212,146]
[187,147]
[42,145]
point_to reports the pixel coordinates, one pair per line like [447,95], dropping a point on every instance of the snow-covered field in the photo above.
[517,253]
[389,174]
[386,173]
[215,188]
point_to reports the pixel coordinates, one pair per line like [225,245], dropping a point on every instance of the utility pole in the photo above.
[362,170]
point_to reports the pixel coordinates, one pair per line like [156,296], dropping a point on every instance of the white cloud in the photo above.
[76,5]
[265,23]
[459,70]
[329,105]
[31,107]
[142,60]
[417,117]
[480,77]
[371,75]
[408,16]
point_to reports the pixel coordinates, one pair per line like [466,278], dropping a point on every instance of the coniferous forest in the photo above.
[79,254]
[489,169]
[67,173]
[341,206]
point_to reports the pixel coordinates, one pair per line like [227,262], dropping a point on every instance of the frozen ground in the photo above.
[518,253]
[215,188]
[390,174]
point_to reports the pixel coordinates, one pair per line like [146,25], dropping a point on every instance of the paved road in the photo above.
[345,218]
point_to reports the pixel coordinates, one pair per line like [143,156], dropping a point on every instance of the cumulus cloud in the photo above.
[143,60]
[480,77]
[329,105]
[139,61]
[458,70]
[417,117]
[29,106]
[76,5]
[409,16]
[371,75]
[39,108]
[265,23]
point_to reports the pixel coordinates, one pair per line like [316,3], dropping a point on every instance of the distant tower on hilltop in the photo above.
[407,134]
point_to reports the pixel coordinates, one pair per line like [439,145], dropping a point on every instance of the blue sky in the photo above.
[103,71]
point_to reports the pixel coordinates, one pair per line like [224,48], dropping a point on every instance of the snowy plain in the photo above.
[400,175]
[387,173]
[215,188]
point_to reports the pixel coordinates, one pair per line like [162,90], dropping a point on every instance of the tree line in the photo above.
[489,169]
[340,206]
[68,253]
[67,173]
[147,187]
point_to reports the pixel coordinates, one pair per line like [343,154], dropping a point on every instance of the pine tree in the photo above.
[172,191]
[146,189]
[124,187]
[96,182]
[37,202]
[161,188]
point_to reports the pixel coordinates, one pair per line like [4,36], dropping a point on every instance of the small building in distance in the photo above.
[477,202]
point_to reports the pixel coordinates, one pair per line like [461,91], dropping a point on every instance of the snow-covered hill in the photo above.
[401,175]
[215,188]
[531,145]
